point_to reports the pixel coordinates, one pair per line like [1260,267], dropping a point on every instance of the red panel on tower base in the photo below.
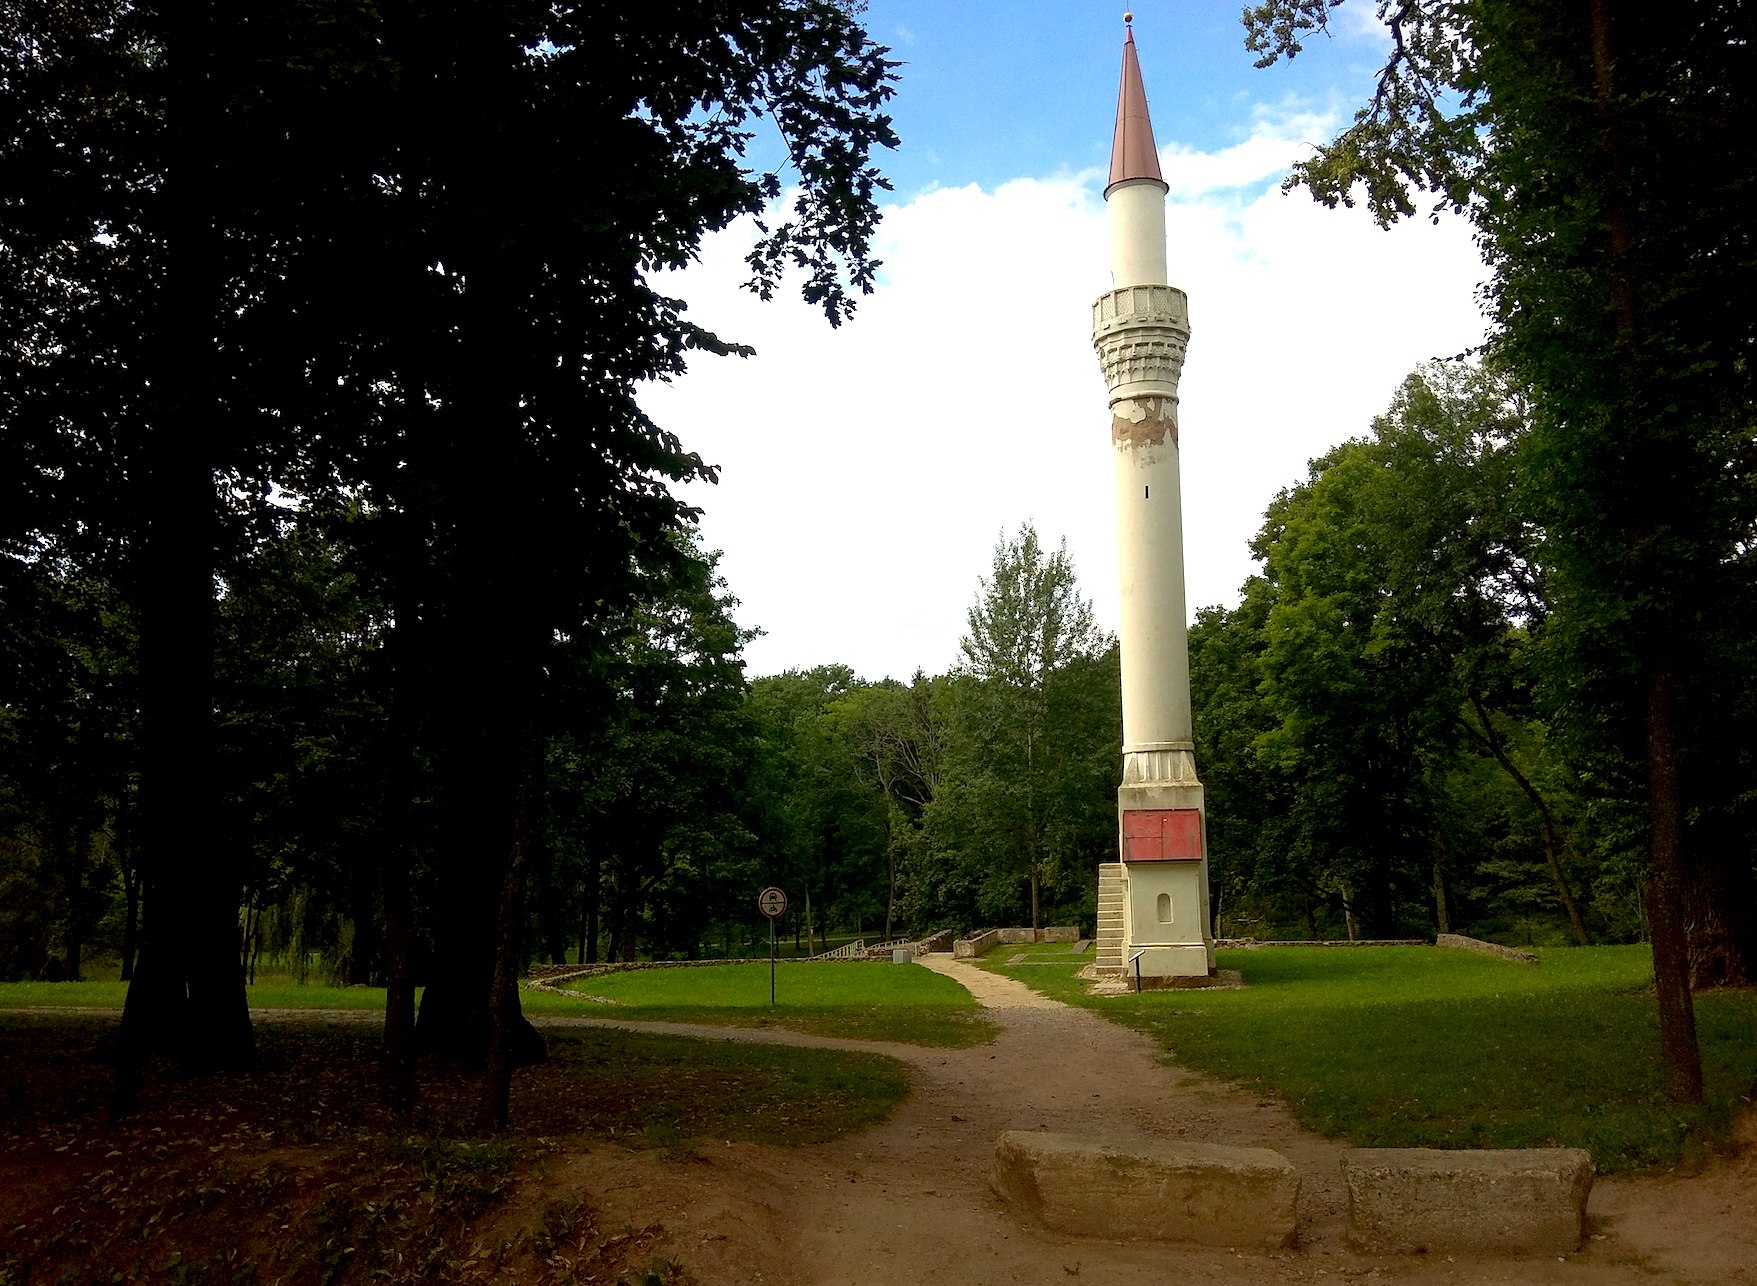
[1162,835]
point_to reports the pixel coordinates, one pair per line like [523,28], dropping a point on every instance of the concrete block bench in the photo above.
[1519,1201]
[1191,1192]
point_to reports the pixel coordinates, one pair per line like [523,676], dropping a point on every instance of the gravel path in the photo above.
[909,1199]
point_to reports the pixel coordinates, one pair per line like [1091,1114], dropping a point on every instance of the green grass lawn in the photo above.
[862,1000]
[270,993]
[1420,1047]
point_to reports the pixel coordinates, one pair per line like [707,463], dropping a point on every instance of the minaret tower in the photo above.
[1154,903]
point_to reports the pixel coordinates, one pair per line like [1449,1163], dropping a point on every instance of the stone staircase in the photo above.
[1109,962]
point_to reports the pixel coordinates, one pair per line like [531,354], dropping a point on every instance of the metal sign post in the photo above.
[772,903]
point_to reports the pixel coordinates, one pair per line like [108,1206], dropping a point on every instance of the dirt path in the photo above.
[909,1201]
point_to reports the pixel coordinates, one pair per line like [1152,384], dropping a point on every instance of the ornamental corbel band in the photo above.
[1141,333]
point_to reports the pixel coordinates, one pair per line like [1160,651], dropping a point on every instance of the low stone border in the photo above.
[1247,944]
[937,942]
[978,944]
[545,977]
[1459,942]
[1151,1190]
[1520,1201]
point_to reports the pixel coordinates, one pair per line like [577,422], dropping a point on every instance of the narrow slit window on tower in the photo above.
[1164,908]
[1146,493]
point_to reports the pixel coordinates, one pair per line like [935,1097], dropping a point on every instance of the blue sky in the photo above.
[868,471]
[993,91]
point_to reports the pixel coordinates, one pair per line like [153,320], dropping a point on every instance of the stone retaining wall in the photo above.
[1246,944]
[978,944]
[941,941]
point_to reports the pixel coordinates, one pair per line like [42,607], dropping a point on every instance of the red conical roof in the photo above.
[1132,153]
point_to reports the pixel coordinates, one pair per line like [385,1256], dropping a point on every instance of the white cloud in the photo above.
[1360,22]
[1277,138]
[869,470]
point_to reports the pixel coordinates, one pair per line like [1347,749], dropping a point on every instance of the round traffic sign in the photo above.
[772,903]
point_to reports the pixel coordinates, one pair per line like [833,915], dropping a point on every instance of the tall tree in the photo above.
[894,733]
[1603,149]
[1028,625]
[397,256]
[822,820]
[654,777]
[1401,583]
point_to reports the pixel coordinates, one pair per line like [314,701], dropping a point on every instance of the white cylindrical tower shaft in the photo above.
[1137,232]
[1140,330]
[1153,904]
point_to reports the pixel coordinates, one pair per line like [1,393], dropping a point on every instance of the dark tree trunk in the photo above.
[363,959]
[594,888]
[399,981]
[628,934]
[470,869]
[1718,905]
[187,993]
[408,693]
[74,856]
[1680,1056]
[1381,905]
[1442,913]
[890,865]
[510,1036]
[130,916]
[1036,915]
[552,910]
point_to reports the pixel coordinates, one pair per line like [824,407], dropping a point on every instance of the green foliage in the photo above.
[1420,1047]
[1365,716]
[1603,152]
[1025,807]
[894,736]
[650,828]
[344,307]
[863,1001]
[67,728]
[822,821]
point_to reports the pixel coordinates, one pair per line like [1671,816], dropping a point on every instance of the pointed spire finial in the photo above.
[1133,154]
